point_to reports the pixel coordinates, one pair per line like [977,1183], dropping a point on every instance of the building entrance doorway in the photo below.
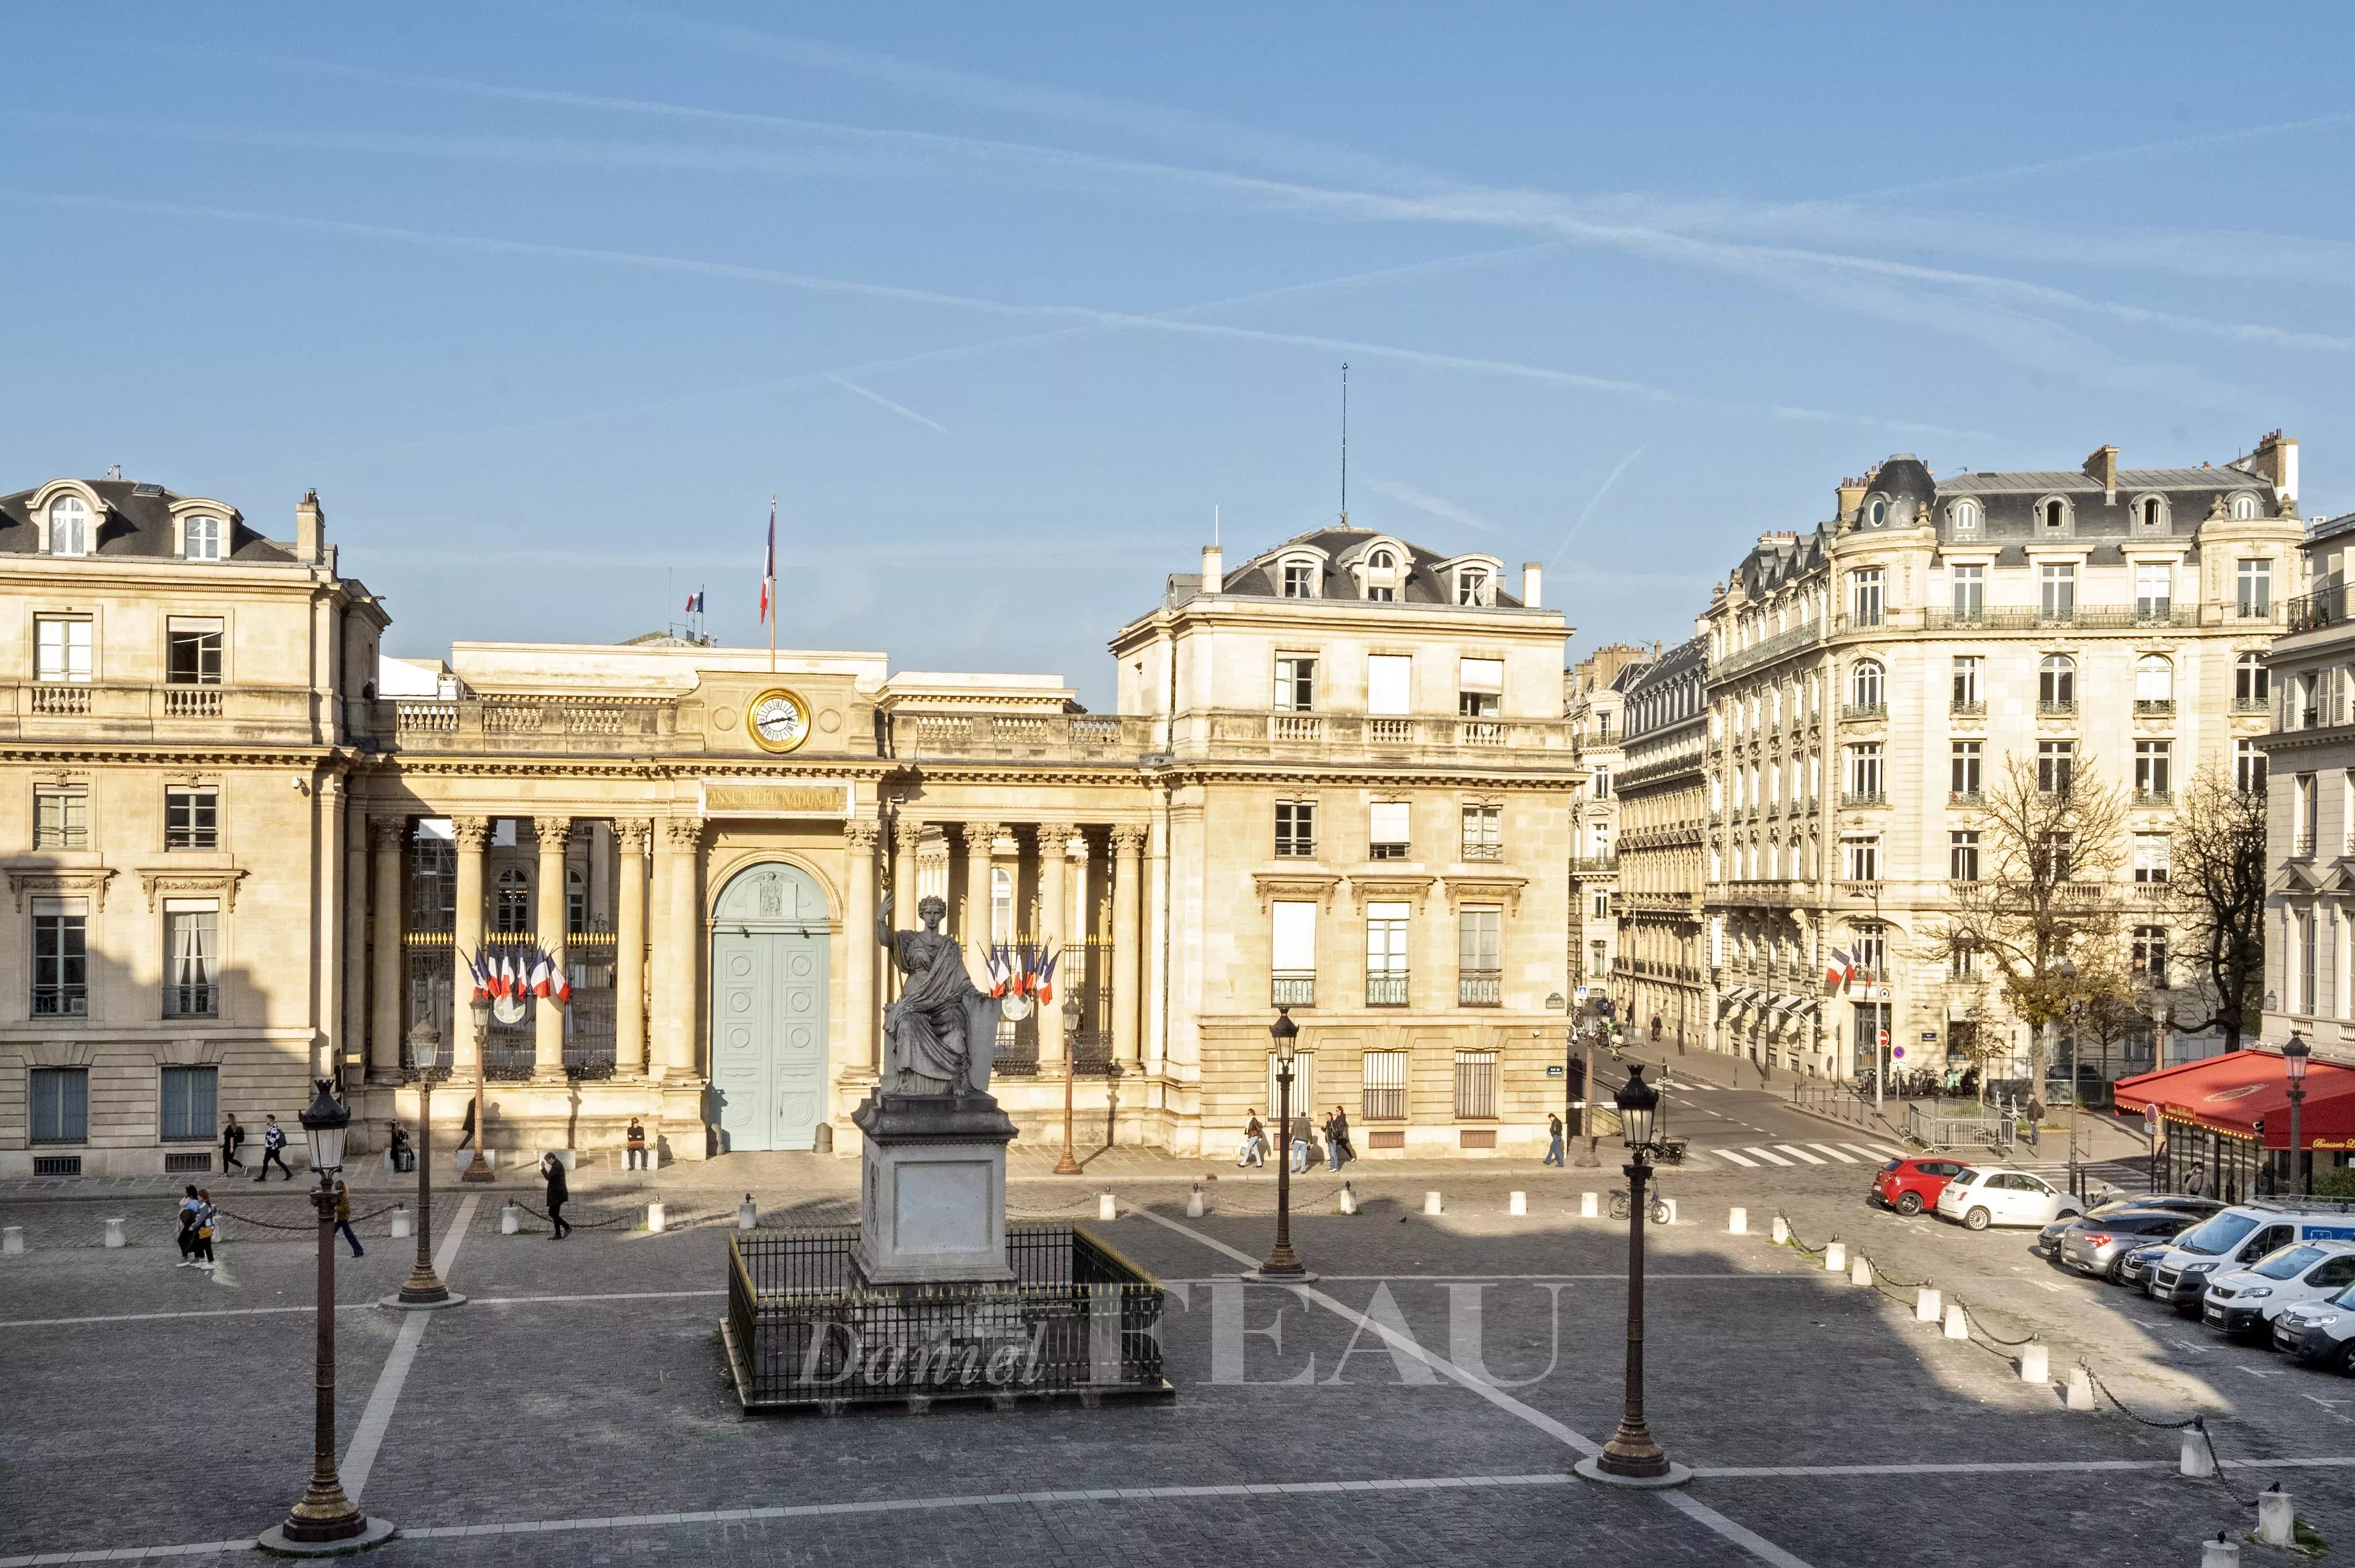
[768,953]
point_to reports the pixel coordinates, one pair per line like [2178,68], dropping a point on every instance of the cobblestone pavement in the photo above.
[575,1410]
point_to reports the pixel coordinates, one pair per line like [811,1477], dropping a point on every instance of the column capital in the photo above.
[907,832]
[1057,834]
[552,832]
[980,838]
[388,833]
[631,833]
[471,833]
[1127,841]
[862,836]
[683,832]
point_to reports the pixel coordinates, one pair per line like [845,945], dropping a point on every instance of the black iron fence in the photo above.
[807,1334]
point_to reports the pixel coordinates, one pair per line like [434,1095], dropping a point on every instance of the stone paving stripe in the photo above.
[367,1437]
[1885,1151]
[1871,1153]
[1795,1152]
[1700,1513]
[348,1307]
[1772,1158]
[1746,1164]
[1835,1153]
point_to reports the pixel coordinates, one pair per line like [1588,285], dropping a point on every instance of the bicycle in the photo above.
[1622,1204]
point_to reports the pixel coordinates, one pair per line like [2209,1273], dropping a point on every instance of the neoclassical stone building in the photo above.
[244,848]
[1662,968]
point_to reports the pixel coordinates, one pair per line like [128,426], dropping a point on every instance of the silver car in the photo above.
[2099,1245]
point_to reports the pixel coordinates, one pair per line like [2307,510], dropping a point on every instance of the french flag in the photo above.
[1838,968]
[769,566]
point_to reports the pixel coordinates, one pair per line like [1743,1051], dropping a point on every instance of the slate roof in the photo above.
[1258,578]
[133,519]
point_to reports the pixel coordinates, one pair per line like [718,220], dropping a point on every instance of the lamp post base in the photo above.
[1675,1475]
[373,1533]
[1295,1275]
[480,1170]
[400,1303]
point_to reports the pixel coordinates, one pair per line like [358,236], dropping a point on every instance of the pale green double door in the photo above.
[768,952]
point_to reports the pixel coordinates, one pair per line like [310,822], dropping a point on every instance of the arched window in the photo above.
[1001,904]
[1865,683]
[2055,515]
[1965,517]
[2244,508]
[2056,682]
[200,538]
[1382,561]
[576,901]
[69,526]
[2154,682]
[511,905]
[2251,684]
[2154,513]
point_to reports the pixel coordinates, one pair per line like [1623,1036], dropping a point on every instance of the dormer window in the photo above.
[1381,561]
[1299,579]
[2244,508]
[2053,515]
[201,538]
[1474,587]
[1877,512]
[2150,512]
[1381,593]
[69,526]
[1965,517]
[1382,575]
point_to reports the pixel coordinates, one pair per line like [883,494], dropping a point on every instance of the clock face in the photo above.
[509,1008]
[778,720]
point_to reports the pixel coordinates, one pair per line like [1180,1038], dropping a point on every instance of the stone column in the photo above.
[980,840]
[861,1035]
[678,959]
[548,1013]
[351,1033]
[630,948]
[906,834]
[1054,918]
[389,835]
[469,834]
[1127,945]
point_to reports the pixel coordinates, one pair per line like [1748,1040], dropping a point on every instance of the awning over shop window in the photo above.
[2234,1092]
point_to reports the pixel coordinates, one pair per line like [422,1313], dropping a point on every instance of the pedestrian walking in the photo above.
[2196,1181]
[343,1216]
[467,1127]
[636,1158]
[552,1169]
[1333,1140]
[1300,1144]
[274,1148]
[207,1216]
[1252,1150]
[2034,1127]
[1338,1131]
[1655,1029]
[232,1137]
[189,1204]
[1553,1133]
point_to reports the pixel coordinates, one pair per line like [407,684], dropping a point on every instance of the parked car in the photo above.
[2320,1331]
[2098,1243]
[2234,1238]
[1910,1186]
[1980,1196]
[2183,1204]
[2134,1266]
[2251,1298]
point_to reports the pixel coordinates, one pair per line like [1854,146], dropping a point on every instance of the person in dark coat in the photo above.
[467,1127]
[551,1167]
[232,1136]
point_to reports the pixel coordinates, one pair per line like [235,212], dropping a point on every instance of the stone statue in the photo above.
[942,1034]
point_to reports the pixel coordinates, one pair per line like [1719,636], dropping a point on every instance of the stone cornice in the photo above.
[165,882]
[1303,885]
[1488,887]
[59,881]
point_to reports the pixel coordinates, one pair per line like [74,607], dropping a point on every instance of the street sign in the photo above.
[2150,1121]
[1880,993]
[1928,1037]
[1898,1053]
[1884,1039]
[1553,1070]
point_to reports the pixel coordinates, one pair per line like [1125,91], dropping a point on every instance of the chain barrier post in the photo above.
[2276,1519]
[2081,1388]
[2198,1460]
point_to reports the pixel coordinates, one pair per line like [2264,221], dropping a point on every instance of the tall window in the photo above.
[432,877]
[1383,1075]
[1299,580]
[1602,784]
[2302,990]
[1473,588]
[1381,564]
[2305,811]
[2058,581]
[1001,904]
[191,1104]
[2154,769]
[2150,955]
[61,817]
[191,957]
[2153,857]
[1599,906]
[1387,835]
[1295,683]
[2244,508]
[2154,684]
[69,526]
[1965,514]
[1864,684]
[2154,589]
[1295,828]
[576,901]
[191,819]
[1861,859]
[1484,831]
[1872,952]
[1390,686]
[1598,959]
[511,905]
[2153,513]
[1962,856]
[61,1104]
[1967,681]
[2248,768]
[60,648]
[2053,858]
[1480,685]
[1479,957]
[200,538]
[1476,1086]
[2255,581]
[2056,684]
[2056,516]
[1865,591]
[1294,954]
[2252,684]
[192,653]
[2056,766]
[1386,951]
[60,958]
[1864,770]
[1963,772]
[1970,594]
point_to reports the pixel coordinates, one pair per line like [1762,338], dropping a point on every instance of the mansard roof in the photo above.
[131,519]
[1332,549]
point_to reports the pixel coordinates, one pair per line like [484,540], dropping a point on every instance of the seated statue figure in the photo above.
[941,1036]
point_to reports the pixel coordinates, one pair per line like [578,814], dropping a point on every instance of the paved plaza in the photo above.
[1424,1401]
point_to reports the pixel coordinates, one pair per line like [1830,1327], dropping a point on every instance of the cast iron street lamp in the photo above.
[479,1168]
[1281,1265]
[424,1289]
[2293,1057]
[1631,1458]
[325,1522]
[1067,1166]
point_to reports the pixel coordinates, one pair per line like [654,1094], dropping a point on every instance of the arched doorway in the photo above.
[768,1007]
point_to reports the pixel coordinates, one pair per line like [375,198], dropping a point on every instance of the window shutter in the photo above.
[1388,680]
[1481,675]
[1296,938]
[1390,822]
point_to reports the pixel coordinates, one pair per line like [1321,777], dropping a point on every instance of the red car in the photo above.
[1910,1186]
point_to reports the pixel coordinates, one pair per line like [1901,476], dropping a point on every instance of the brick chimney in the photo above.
[1851,498]
[1214,569]
[1532,582]
[2275,460]
[310,529]
[2102,464]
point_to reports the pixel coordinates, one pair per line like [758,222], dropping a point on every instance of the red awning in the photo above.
[2234,1092]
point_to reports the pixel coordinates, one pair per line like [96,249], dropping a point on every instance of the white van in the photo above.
[2236,1238]
[2251,1298]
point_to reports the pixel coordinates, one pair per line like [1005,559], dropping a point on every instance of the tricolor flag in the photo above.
[769,566]
[1838,968]
[694,604]
[507,982]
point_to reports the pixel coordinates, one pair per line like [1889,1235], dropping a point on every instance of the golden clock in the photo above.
[778,719]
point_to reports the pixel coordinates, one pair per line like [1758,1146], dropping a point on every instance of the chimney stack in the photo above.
[1532,583]
[1214,569]
[2102,464]
[2275,459]
[310,529]
[1850,497]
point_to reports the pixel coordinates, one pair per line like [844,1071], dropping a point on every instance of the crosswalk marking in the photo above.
[1871,1153]
[1770,1158]
[1728,1154]
[1835,1154]
[1797,1153]
[1885,1151]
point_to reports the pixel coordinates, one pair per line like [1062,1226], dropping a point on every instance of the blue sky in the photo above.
[546,300]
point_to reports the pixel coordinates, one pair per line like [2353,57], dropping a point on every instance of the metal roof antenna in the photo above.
[1345,444]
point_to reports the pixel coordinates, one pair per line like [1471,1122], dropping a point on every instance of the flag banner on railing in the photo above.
[532,972]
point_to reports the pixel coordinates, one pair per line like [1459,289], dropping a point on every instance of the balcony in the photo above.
[1481,852]
[1862,798]
[2082,617]
[1389,732]
[2315,610]
[1479,987]
[193,702]
[2154,797]
[1782,645]
[1594,865]
[80,710]
[2056,707]
[1296,727]
[2301,844]
[1965,799]
[1387,988]
[1864,711]
[2244,705]
[192,1001]
[1967,710]
[2154,707]
[61,1001]
[1294,988]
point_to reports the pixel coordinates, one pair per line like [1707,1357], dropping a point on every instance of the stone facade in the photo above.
[1592,704]
[1661,970]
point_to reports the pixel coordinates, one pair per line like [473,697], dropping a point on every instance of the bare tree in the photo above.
[2219,875]
[2044,901]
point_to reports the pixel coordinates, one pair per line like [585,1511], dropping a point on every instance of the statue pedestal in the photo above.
[933,1190]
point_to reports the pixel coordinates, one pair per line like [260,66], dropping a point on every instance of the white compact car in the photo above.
[1986,1195]
[2251,1298]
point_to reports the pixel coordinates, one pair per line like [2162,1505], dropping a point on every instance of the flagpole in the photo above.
[772,582]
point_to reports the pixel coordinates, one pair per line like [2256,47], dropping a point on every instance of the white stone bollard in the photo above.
[2036,1363]
[1835,1257]
[1430,1204]
[655,1216]
[1346,1203]
[2220,1552]
[1860,1272]
[1926,1305]
[1589,1205]
[464,1159]
[1520,1204]
[1194,1202]
[12,1241]
[2276,1523]
[2196,1460]
[748,1213]
[400,1221]
[510,1220]
[114,1233]
[1781,1231]
[1957,1326]
[1737,1222]
[2081,1389]
[1107,1208]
